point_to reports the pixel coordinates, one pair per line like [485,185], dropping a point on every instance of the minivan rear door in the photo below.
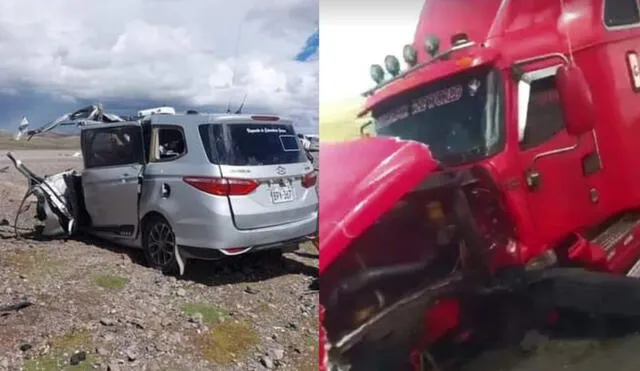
[262,156]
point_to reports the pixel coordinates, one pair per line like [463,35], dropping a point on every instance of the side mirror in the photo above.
[576,100]
[364,134]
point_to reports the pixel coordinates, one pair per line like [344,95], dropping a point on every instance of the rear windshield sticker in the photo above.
[266,130]
[427,102]
[289,143]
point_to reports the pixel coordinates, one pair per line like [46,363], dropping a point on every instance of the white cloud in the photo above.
[163,50]
[355,36]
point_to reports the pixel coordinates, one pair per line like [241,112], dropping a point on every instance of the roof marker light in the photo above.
[464,61]
[410,55]
[392,65]
[377,73]
[459,39]
[432,45]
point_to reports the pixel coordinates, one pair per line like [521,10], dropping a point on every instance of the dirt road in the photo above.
[97,305]
[615,354]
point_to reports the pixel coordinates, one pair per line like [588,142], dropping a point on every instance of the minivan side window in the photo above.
[112,147]
[168,144]
[544,113]
[619,13]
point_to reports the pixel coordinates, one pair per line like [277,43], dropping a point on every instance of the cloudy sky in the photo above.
[355,36]
[57,55]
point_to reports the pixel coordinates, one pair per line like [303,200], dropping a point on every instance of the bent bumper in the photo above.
[222,234]
[213,254]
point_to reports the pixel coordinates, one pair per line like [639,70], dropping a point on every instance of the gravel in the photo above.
[96,304]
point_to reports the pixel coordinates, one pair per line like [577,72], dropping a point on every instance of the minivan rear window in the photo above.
[251,144]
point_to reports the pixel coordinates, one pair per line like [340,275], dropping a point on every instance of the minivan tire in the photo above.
[158,241]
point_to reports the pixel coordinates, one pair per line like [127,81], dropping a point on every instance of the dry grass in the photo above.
[338,121]
[62,346]
[35,263]
[8,143]
[111,283]
[227,339]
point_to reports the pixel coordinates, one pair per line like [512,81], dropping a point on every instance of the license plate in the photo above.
[282,194]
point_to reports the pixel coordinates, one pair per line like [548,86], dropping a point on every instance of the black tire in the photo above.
[159,254]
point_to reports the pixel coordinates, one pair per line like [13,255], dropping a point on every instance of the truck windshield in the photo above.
[459,117]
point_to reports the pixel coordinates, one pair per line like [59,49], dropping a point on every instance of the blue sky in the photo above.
[135,54]
[310,48]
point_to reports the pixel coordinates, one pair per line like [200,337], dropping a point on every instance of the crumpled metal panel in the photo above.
[361,179]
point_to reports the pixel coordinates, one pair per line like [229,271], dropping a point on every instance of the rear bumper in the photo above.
[213,254]
[203,235]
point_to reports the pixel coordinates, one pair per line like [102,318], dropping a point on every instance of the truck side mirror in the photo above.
[364,134]
[576,100]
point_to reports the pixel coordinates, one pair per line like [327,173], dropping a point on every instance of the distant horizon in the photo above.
[35,121]
[68,130]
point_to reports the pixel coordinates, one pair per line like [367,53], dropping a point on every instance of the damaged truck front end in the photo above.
[423,264]
[407,250]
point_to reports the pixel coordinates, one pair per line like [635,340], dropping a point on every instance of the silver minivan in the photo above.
[196,186]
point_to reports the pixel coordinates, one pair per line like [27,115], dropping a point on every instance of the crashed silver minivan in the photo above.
[184,186]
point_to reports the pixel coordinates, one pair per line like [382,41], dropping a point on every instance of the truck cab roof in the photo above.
[502,33]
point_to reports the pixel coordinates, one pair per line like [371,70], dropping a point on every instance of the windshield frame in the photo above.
[493,121]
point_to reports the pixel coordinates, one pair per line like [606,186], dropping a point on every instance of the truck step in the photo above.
[610,237]
[635,270]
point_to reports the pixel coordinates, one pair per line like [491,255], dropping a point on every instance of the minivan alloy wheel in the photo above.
[161,244]
[158,242]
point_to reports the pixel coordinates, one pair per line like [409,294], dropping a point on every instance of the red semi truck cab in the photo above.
[538,99]
[482,89]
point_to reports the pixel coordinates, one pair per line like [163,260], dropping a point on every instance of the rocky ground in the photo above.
[93,305]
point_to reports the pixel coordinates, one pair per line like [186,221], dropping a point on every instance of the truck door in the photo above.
[558,168]
[113,157]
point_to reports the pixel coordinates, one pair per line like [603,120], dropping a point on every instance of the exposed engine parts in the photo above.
[56,200]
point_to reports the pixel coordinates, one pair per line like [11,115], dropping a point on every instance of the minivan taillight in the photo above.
[222,186]
[309,180]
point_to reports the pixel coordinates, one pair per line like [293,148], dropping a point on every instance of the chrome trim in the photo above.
[527,79]
[503,4]
[556,151]
[541,58]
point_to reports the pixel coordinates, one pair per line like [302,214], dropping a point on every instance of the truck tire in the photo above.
[590,292]
[158,242]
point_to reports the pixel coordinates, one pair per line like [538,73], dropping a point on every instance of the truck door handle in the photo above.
[533,178]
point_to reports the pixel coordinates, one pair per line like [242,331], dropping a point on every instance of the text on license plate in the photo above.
[282,194]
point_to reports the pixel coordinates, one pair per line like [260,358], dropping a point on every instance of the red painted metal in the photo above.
[510,31]
[356,192]
[361,180]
